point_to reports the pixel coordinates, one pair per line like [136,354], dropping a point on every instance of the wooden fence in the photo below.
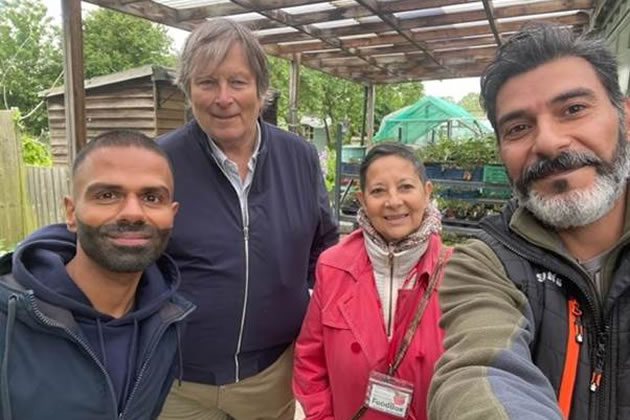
[13,223]
[30,197]
[46,188]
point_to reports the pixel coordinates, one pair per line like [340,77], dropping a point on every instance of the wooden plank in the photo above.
[12,223]
[104,114]
[74,96]
[440,34]
[174,115]
[529,9]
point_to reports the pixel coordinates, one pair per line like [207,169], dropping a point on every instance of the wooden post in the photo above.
[364,115]
[294,86]
[74,94]
[12,212]
[370,113]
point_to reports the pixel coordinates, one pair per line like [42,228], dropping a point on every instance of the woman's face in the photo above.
[394,197]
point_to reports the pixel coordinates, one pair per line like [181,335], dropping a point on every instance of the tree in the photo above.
[470,102]
[340,100]
[114,41]
[30,59]
[392,97]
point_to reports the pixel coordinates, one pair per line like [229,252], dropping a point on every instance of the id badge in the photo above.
[388,395]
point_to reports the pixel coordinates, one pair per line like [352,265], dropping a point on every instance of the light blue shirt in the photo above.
[230,169]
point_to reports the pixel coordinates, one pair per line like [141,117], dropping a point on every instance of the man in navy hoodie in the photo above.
[89,318]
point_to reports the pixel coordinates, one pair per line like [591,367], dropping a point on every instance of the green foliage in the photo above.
[390,98]
[30,59]
[114,41]
[470,102]
[462,153]
[331,169]
[325,96]
[34,152]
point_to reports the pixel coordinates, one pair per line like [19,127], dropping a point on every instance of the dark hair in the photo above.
[538,43]
[119,138]
[390,149]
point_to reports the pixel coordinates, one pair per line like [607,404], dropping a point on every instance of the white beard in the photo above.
[576,208]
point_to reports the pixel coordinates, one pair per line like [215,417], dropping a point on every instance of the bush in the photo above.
[35,152]
[464,154]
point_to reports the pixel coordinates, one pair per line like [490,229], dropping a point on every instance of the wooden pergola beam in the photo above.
[340,12]
[307,30]
[441,34]
[520,11]
[394,23]
[491,21]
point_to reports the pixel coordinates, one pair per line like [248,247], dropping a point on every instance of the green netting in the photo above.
[418,123]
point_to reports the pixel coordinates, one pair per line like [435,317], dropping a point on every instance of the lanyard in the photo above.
[417,316]
[413,325]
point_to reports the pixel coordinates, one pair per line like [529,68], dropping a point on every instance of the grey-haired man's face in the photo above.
[563,142]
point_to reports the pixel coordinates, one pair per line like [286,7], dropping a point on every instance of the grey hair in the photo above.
[209,43]
[538,43]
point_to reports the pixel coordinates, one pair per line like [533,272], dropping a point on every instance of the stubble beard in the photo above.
[97,246]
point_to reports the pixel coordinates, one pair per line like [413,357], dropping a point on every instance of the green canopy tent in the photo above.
[427,120]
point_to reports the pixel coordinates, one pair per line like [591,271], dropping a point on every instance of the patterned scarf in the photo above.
[431,223]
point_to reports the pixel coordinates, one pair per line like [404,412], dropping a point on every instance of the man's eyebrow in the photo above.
[157,189]
[518,113]
[562,97]
[115,187]
[102,186]
[573,93]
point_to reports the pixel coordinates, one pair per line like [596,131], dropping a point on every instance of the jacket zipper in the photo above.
[145,364]
[49,322]
[390,258]
[245,297]
[523,253]
[601,336]
[245,222]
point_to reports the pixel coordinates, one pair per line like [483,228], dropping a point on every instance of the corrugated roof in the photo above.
[433,39]
[156,73]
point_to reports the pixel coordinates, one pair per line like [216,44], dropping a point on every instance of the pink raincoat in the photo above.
[343,335]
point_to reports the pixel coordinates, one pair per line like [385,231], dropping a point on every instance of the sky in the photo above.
[455,88]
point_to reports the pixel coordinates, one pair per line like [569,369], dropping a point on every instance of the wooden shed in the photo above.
[144,99]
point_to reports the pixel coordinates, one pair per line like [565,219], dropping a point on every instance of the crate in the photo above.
[495,174]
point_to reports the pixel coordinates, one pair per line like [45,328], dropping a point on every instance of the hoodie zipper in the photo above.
[145,364]
[49,322]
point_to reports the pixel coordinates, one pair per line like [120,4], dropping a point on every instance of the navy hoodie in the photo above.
[39,264]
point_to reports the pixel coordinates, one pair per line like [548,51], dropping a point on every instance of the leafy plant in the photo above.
[331,169]
[461,153]
[35,152]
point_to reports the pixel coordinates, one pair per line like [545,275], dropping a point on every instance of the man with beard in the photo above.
[89,316]
[537,311]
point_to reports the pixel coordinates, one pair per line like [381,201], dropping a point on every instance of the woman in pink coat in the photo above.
[368,289]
